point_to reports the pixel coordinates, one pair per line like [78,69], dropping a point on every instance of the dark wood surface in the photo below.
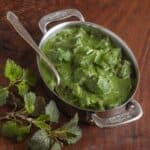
[129,19]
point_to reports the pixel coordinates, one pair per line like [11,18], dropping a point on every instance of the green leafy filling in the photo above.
[94,72]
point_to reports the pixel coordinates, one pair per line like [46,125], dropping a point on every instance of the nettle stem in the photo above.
[13,115]
[22,117]
[4,118]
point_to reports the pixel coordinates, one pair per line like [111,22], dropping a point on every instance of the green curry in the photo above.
[94,72]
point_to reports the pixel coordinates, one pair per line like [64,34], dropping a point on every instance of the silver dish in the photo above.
[129,111]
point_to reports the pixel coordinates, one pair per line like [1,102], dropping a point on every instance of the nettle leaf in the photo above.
[70,132]
[30,99]
[43,118]
[40,122]
[23,88]
[13,71]
[73,122]
[56,146]
[39,141]
[12,129]
[9,129]
[39,106]
[29,77]
[52,110]
[41,125]
[73,131]
[63,55]
[125,70]
[22,133]
[4,93]
[15,101]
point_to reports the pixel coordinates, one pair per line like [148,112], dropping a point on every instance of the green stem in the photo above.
[14,115]
[9,86]
[4,117]
[28,119]
[21,111]
[13,84]
[57,133]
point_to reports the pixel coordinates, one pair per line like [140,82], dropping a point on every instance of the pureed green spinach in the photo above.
[94,72]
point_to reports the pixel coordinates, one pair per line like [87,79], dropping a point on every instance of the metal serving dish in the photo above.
[127,112]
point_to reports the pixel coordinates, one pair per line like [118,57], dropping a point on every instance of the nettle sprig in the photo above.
[28,110]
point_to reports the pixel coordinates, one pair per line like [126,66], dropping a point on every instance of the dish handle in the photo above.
[132,113]
[58,16]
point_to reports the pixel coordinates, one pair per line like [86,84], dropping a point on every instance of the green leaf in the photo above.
[41,123]
[52,110]
[13,100]
[4,93]
[22,132]
[70,132]
[30,99]
[43,118]
[73,122]
[74,133]
[91,84]
[56,146]
[39,141]
[23,88]
[11,129]
[13,71]
[39,106]
[125,70]
[64,55]
[29,77]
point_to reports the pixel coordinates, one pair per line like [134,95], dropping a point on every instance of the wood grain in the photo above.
[129,19]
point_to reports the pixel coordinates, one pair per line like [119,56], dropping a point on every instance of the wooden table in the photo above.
[129,19]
